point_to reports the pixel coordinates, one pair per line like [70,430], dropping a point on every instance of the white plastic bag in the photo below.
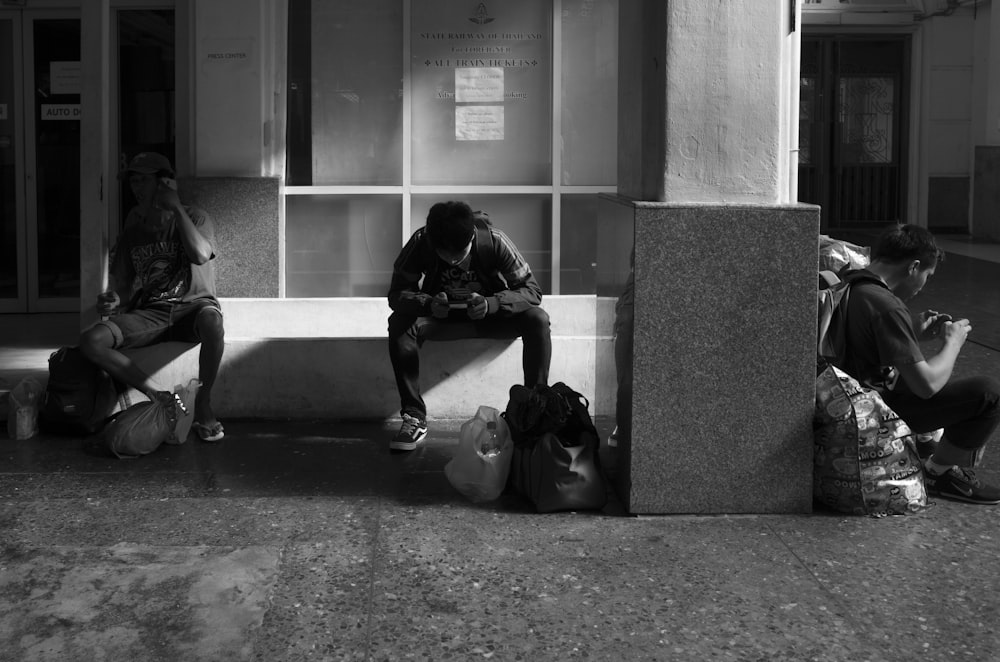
[481,478]
[22,412]
[186,417]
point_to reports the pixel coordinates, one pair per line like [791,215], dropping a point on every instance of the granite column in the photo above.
[725,261]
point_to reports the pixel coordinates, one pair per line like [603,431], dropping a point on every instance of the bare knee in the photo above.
[95,341]
[209,326]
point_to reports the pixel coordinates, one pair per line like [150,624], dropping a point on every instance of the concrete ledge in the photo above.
[365,317]
[293,358]
[351,378]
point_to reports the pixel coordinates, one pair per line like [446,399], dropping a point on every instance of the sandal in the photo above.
[209,432]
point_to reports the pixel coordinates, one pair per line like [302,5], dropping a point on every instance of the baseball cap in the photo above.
[148,163]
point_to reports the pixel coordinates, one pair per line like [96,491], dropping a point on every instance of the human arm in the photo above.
[121,272]
[925,378]
[197,246]
[404,288]
[521,291]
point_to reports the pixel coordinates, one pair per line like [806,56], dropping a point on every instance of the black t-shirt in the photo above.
[151,259]
[880,335]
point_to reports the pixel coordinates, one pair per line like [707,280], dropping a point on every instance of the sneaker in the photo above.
[962,485]
[411,432]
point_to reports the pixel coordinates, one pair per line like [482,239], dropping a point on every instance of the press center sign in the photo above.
[60,111]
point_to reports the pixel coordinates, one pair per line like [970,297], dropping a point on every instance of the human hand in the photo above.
[931,322]
[107,303]
[439,305]
[478,306]
[166,194]
[957,331]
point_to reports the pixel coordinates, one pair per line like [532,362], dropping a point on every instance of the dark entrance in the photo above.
[852,129]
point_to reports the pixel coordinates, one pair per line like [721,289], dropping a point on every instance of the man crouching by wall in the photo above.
[883,350]
[162,287]
[476,284]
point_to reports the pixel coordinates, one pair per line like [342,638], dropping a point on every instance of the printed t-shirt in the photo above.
[152,260]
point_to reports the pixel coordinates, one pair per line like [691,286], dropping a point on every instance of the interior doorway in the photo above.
[854,95]
[40,160]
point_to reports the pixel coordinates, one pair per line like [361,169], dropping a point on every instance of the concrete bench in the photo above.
[327,358]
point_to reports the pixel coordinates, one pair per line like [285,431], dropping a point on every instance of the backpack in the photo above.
[79,396]
[555,461]
[832,299]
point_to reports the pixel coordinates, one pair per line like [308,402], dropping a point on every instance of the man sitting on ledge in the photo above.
[883,351]
[161,267]
[475,285]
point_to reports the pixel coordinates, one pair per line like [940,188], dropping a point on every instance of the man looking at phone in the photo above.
[459,277]
[884,337]
[161,287]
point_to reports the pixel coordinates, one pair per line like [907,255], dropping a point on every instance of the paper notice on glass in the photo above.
[65,77]
[479,123]
[479,84]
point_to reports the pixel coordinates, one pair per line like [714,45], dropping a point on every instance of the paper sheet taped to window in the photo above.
[479,123]
[479,85]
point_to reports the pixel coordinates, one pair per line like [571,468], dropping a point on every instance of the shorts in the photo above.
[157,322]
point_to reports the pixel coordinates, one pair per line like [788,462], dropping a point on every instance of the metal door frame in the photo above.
[25,163]
[829,44]
[20,303]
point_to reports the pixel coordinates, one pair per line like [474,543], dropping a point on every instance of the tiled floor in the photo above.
[309,540]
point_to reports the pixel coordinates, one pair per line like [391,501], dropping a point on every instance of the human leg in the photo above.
[624,325]
[536,336]
[967,409]
[202,322]
[533,328]
[404,348]
[969,412]
[102,342]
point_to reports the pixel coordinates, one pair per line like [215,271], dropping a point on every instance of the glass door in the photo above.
[52,99]
[13,284]
[852,120]
[40,161]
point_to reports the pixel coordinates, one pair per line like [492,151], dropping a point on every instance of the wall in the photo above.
[949,53]
[233,72]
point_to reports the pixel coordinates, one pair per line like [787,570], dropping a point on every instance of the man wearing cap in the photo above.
[161,287]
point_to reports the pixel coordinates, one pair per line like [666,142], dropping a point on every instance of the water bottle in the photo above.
[490,445]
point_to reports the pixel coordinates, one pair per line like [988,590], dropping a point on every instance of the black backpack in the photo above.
[556,462]
[79,396]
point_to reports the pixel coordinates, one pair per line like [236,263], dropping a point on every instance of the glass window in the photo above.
[9,267]
[482,93]
[578,245]
[57,158]
[589,92]
[146,89]
[341,246]
[526,219]
[345,102]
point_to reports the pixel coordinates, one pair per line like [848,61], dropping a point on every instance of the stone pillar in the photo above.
[986,160]
[725,265]
[96,174]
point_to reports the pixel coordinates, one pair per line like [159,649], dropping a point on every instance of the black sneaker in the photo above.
[962,485]
[411,432]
